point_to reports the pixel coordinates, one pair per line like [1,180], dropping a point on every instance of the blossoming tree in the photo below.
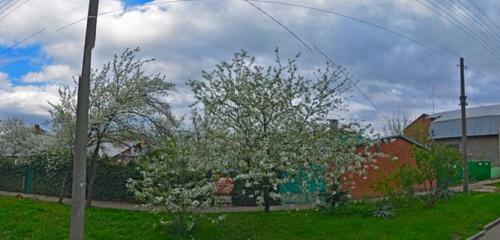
[126,104]
[265,123]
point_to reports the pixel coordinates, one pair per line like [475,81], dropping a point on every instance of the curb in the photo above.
[485,229]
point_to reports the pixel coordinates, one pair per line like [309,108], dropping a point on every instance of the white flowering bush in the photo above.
[175,180]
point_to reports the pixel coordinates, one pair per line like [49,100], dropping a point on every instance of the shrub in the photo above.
[436,168]
[384,210]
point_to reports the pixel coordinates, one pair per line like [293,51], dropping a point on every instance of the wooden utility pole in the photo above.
[81,132]
[463,103]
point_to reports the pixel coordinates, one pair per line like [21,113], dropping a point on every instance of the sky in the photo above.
[186,37]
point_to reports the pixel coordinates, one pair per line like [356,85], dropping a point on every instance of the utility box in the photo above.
[479,170]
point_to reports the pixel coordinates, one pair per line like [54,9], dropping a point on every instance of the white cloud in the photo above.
[28,99]
[52,73]
[4,81]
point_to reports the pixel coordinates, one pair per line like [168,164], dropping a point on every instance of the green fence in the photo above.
[302,189]
[495,172]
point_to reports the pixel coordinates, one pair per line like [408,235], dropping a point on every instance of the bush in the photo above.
[384,210]
[436,168]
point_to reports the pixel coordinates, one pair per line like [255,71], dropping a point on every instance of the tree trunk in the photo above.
[63,187]
[91,186]
[93,174]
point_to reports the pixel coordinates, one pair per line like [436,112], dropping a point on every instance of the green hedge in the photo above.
[11,176]
[110,182]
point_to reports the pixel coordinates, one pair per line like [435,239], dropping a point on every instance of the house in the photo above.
[483,126]
[122,153]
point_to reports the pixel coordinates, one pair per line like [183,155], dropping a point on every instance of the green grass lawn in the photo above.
[458,218]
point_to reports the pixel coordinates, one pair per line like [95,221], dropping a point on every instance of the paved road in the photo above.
[492,234]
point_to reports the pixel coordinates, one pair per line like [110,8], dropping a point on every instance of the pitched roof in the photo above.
[402,137]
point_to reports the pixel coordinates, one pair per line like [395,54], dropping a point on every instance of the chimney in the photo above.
[334,124]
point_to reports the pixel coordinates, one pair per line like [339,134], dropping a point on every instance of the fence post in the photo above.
[28,179]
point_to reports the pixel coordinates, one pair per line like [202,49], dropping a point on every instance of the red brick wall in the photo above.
[398,148]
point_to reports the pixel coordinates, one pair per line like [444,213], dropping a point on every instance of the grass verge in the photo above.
[459,218]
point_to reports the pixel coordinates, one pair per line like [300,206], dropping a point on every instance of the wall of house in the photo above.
[478,148]
[400,152]
[418,130]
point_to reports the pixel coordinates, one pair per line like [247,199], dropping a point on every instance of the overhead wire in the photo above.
[4,51]
[484,14]
[39,32]
[447,17]
[322,53]
[13,10]
[138,6]
[466,20]
[359,20]
[7,6]
[478,19]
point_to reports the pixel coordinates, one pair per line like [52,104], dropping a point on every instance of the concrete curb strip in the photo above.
[486,228]
[492,224]
[477,236]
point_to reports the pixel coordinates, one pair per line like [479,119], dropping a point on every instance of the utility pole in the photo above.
[463,103]
[81,132]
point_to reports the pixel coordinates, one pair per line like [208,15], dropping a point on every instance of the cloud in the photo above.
[4,81]
[51,73]
[187,37]
[27,100]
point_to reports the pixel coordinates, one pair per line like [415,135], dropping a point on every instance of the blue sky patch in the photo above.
[129,3]
[19,61]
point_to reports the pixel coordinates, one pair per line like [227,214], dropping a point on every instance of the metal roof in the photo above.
[481,121]
[484,111]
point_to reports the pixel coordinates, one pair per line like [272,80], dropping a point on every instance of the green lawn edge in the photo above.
[458,218]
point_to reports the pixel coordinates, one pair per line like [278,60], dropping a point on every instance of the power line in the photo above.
[138,6]
[3,52]
[464,27]
[460,9]
[484,14]
[409,38]
[322,53]
[478,19]
[450,19]
[7,6]
[478,28]
[352,82]
[281,24]
[348,17]
[13,10]
[34,34]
